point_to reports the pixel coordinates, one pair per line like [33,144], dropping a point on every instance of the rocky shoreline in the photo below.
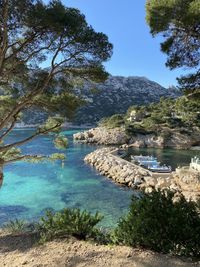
[106,161]
[169,138]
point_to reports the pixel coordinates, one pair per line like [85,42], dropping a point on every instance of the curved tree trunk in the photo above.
[1,175]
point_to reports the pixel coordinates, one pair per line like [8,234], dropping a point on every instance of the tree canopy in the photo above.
[179,23]
[45,49]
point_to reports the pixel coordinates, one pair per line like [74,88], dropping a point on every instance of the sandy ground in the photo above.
[20,250]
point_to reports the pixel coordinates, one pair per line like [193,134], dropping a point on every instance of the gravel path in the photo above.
[16,251]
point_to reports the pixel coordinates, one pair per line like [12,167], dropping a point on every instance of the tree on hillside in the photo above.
[44,50]
[179,23]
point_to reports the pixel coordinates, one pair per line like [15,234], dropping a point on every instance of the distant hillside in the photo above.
[117,94]
[113,96]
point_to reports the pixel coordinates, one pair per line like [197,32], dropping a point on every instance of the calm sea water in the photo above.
[170,157]
[29,189]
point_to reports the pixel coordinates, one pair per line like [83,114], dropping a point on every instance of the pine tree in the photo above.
[179,23]
[45,49]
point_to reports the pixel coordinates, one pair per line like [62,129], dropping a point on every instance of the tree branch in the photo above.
[25,157]
[4,35]
[13,113]
[19,143]
[9,129]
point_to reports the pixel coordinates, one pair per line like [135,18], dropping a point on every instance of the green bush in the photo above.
[114,121]
[69,222]
[156,222]
[16,226]
[136,128]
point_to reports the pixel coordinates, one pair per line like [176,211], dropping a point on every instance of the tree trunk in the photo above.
[1,175]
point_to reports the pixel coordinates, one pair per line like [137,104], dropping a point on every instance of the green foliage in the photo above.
[114,121]
[74,222]
[16,226]
[53,124]
[61,142]
[57,156]
[180,113]
[136,128]
[10,153]
[155,221]
[36,34]
[179,23]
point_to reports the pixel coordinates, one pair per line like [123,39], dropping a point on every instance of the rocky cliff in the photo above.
[116,95]
[166,138]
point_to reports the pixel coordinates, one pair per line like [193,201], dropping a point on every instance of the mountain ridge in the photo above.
[117,93]
[113,96]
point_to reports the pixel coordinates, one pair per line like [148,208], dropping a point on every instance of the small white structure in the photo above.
[195,164]
[132,116]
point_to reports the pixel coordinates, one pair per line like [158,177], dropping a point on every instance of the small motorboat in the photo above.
[160,169]
[143,158]
[151,163]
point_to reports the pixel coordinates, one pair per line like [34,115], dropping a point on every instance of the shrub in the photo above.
[133,129]
[150,124]
[80,224]
[156,222]
[16,226]
[114,121]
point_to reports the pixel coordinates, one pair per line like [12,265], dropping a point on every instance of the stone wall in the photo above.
[126,173]
[189,181]
[106,161]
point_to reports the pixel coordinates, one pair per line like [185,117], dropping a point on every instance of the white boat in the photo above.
[151,163]
[160,169]
[143,158]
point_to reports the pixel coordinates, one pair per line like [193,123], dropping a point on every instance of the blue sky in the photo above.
[136,53]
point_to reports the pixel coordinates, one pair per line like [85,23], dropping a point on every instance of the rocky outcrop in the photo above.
[102,136]
[118,136]
[188,180]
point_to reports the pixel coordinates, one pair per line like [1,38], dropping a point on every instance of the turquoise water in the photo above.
[29,189]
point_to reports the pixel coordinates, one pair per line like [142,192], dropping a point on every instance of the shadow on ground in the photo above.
[21,242]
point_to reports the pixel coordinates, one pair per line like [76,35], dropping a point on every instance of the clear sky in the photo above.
[136,53]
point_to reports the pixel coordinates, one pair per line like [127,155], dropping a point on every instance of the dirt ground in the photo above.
[20,250]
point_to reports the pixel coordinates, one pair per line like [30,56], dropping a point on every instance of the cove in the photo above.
[29,189]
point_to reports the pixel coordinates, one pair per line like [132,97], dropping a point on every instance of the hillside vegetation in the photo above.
[180,114]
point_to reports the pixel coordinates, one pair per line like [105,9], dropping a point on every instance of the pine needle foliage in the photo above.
[69,222]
